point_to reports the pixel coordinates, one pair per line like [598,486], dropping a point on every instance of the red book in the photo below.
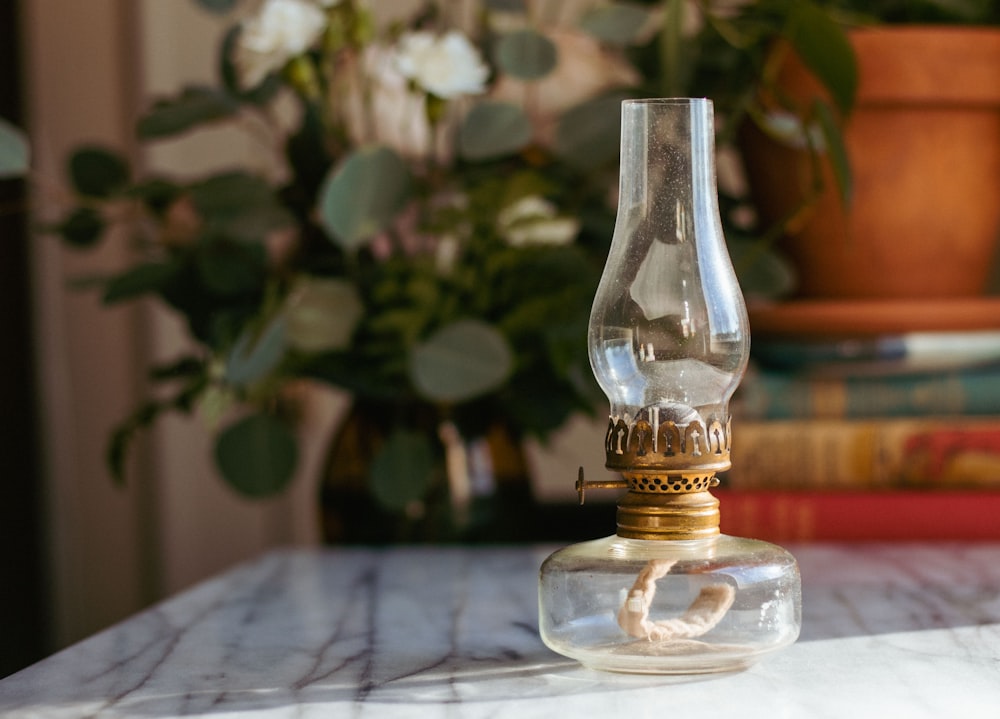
[807,516]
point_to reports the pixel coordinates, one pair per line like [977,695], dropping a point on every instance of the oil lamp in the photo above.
[668,342]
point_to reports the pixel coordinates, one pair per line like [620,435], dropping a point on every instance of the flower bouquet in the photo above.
[431,230]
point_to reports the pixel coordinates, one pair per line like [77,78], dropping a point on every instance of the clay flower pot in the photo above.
[924,146]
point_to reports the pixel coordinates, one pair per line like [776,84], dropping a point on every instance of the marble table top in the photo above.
[888,630]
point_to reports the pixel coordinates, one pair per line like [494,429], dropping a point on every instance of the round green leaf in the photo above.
[255,354]
[401,470]
[362,195]
[588,135]
[761,271]
[525,54]
[98,172]
[241,205]
[461,361]
[82,228]
[218,6]
[256,455]
[229,268]
[15,155]
[617,24]
[139,280]
[322,314]
[195,105]
[493,129]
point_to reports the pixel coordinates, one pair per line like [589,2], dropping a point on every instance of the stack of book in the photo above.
[887,437]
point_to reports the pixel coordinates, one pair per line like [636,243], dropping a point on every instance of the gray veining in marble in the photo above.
[889,630]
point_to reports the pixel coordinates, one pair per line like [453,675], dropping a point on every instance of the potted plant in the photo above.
[921,141]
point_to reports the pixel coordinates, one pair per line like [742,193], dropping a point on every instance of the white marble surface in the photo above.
[889,631]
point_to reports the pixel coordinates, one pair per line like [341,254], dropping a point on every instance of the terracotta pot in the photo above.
[924,146]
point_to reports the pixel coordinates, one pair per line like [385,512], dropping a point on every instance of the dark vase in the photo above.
[488,498]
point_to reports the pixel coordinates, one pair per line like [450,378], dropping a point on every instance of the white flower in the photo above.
[448,66]
[381,107]
[280,31]
[533,220]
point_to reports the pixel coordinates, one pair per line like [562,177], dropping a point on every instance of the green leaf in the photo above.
[240,205]
[218,6]
[588,136]
[401,470]
[493,129]
[322,314]
[835,150]
[506,5]
[82,228]
[228,268]
[256,455]
[195,106]
[156,193]
[461,361]
[362,195]
[139,280]
[525,54]
[762,272]
[98,172]
[825,49]
[256,354]
[617,24]
[15,154]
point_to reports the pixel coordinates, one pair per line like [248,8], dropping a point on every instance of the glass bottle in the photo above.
[669,342]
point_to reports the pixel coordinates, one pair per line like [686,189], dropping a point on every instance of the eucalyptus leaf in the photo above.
[256,455]
[256,354]
[156,193]
[218,6]
[228,268]
[97,171]
[588,135]
[361,196]
[835,150]
[322,314]
[494,129]
[762,272]
[617,24]
[15,154]
[195,106]
[401,470]
[461,361]
[525,54]
[82,228]
[141,279]
[506,5]
[240,205]
[825,49]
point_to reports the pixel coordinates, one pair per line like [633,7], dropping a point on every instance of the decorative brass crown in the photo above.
[668,469]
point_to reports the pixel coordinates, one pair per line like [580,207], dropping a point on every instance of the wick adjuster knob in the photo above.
[582,484]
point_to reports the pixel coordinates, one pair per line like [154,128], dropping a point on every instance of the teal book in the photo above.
[778,395]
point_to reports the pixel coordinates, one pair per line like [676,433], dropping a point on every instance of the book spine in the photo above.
[773,395]
[861,516]
[891,454]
